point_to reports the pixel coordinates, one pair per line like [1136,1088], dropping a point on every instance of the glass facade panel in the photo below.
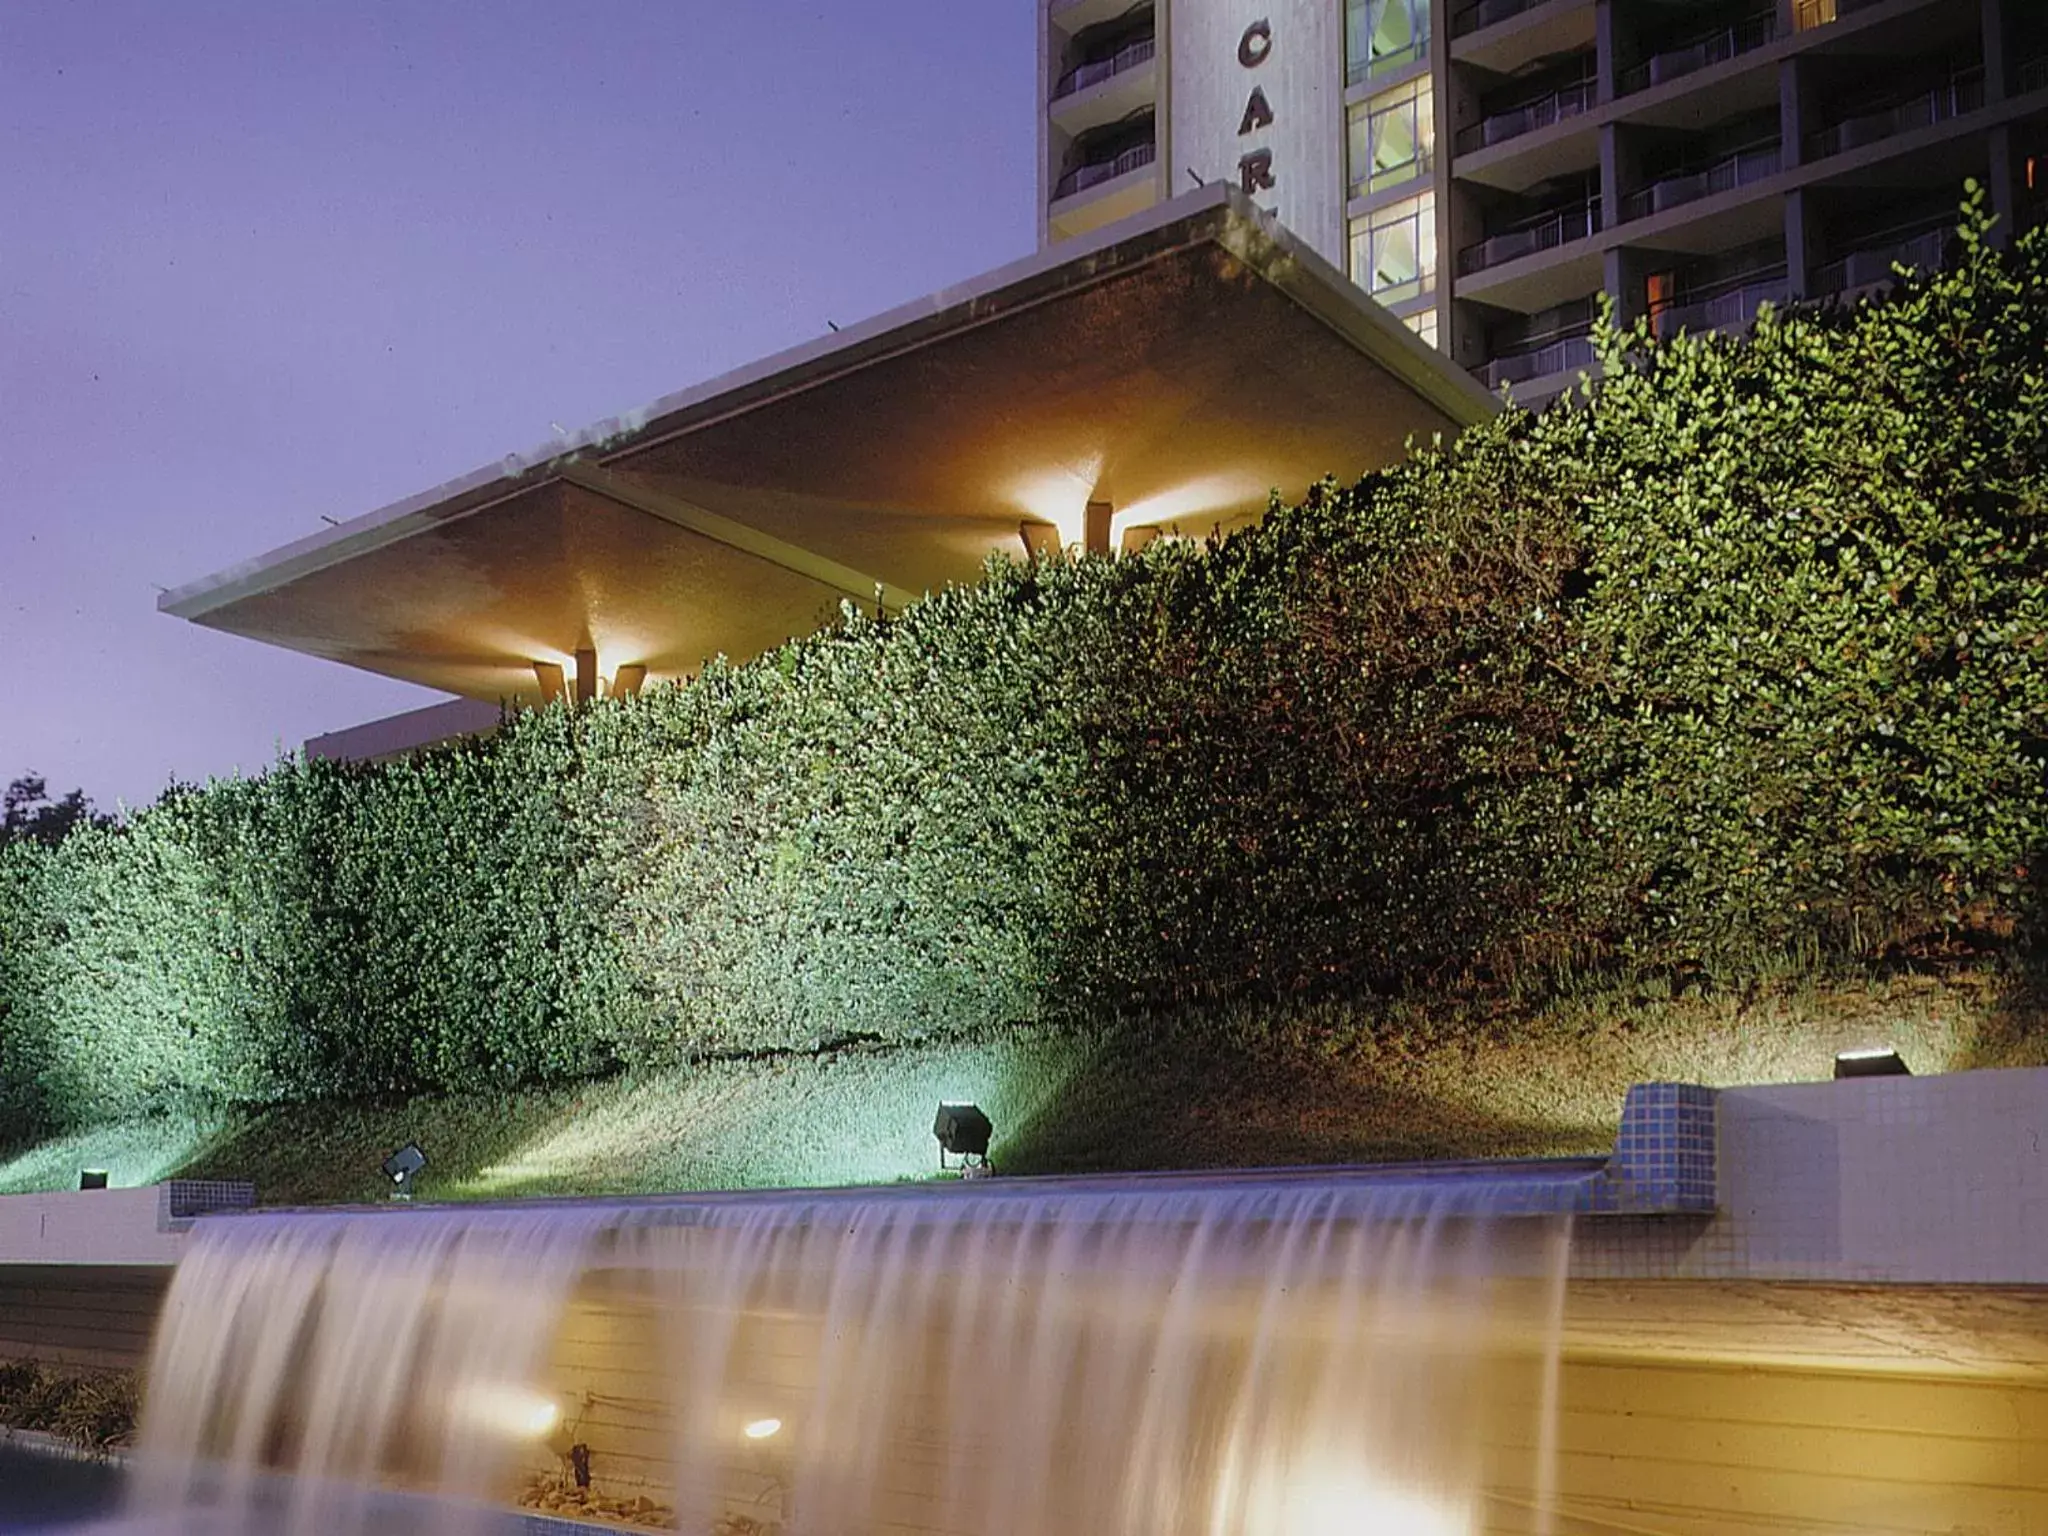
[1393,250]
[1423,324]
[1382,35]
[1393,137]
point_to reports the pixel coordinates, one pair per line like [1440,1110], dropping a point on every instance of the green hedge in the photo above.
[1745,654]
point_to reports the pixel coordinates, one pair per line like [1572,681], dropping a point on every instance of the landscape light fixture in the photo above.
[402,1167]
[964,1132]
[1879,1062]
[92,1178]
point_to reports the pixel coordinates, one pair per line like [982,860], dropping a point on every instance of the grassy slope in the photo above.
[1332,1084]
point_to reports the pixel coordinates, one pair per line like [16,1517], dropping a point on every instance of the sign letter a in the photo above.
[1255,171]
[1257,112]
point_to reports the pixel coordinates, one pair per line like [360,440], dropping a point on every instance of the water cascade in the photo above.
[1236,1354]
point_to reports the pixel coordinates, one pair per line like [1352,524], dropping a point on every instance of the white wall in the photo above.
[1303,80]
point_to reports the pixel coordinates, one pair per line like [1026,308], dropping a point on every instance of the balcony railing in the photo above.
[1558,227]
[2032,76]
[1502,126]
[1728,310]
[1484,13]
[1873,264]
[1568,353]
[1952,98]
[1717,47]
[1737,170]
[1082,177]
[1130,56]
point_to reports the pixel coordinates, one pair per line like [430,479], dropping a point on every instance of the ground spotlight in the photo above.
[92,1178]
[964,1131]
[402,1167]
[1879,1062]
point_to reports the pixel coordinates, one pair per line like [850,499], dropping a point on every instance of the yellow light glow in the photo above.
[1059,495]
[761,1429]
[510,1411]
[1329,1499]
[1198,503]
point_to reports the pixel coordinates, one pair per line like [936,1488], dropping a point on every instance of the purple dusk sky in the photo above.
[265,262]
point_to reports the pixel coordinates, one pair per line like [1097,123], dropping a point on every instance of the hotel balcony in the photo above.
[1504,35]
[1104,90]
[1112,184]
[1084,177]
[1567,355]
[1500,127]
[1130,56]
[1873,265]
[1740,169]
[1731,308]
[1546,231]
[1700,52]
[1960,94]
[1482,14]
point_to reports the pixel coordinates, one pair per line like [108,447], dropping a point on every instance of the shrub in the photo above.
[1743,653]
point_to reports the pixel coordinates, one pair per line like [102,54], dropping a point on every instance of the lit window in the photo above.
[1423,324]
[1660,291]
[1380,35]
[1392,137]
[1393,250]
[1812,13]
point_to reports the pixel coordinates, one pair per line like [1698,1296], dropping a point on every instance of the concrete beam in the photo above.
[628,492]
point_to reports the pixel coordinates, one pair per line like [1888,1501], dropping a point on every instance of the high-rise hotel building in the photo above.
[1486,168]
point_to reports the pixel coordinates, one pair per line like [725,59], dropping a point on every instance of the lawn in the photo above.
[1330,1084]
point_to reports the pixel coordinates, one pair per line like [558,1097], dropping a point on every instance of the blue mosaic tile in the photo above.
[1663,1158]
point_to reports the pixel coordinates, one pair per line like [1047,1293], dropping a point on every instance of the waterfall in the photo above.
[1231,1355]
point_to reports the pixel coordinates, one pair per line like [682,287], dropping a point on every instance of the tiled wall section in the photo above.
[187,1199]
[1664,1155]
[1912,1180]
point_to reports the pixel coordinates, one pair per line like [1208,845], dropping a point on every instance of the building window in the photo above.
[1812,13]
[1380,35]
[1393,250]
[1393,137]
[1423,324]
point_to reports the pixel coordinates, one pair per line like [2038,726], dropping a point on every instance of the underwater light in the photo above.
[1880,1061]
[511,1411]
[761,1429]
[964,1131]
[402,1167]
[92,1178]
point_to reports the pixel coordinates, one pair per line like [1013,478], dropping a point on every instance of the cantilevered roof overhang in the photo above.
[1180,367]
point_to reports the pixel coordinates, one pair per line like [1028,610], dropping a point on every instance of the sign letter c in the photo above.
[1256,44]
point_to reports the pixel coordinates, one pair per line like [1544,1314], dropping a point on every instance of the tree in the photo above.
[28,813]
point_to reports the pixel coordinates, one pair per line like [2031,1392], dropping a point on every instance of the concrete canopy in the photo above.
[1179,366]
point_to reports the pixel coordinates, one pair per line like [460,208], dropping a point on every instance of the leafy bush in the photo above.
[1744,653]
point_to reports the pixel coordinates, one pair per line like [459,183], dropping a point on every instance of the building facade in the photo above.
[1486,169]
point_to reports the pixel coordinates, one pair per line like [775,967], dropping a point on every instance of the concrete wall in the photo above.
[1646,1446]
[1901,1180]
[396,735]
[90,1227]
[67,1315]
